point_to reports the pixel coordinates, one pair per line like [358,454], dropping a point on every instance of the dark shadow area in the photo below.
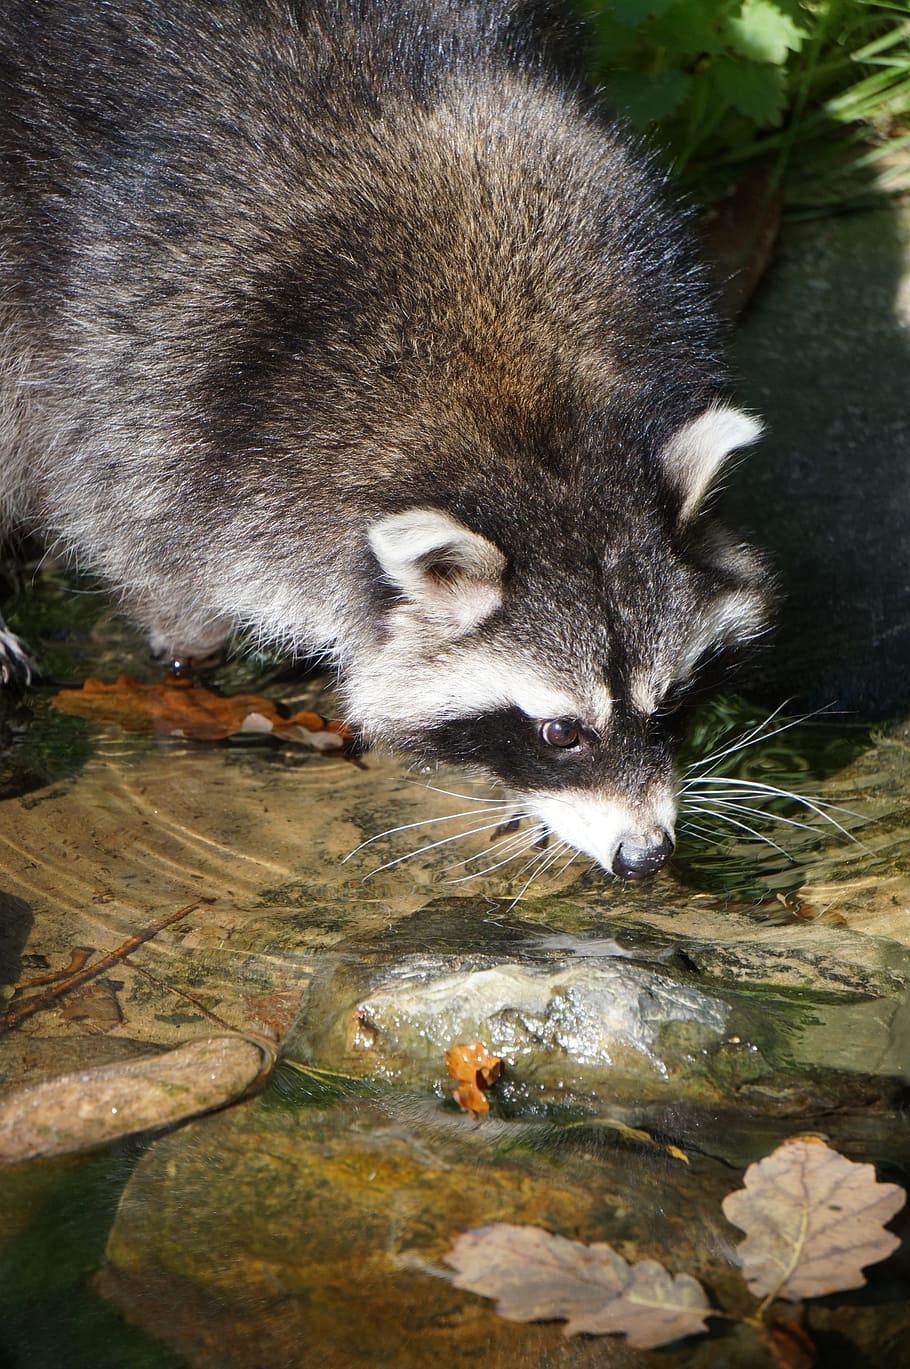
[824,356]
[16,920]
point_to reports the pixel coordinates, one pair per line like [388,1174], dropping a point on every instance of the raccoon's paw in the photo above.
[16,665]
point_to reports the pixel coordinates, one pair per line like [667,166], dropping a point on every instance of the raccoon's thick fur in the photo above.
[357,326]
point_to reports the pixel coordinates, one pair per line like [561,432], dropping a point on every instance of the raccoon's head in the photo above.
[554,643]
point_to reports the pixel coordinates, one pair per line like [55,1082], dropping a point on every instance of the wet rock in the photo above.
[319,1225]
[668,1027]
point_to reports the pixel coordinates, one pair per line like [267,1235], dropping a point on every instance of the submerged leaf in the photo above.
[178,708]
[476,1070]
[813,1220]
[536,1276]
[654,1308]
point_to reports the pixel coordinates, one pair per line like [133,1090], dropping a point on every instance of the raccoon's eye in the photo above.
[559,732]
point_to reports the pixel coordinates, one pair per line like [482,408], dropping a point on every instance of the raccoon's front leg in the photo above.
[16,665]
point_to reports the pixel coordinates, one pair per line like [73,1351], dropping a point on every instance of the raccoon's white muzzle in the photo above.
[630,842]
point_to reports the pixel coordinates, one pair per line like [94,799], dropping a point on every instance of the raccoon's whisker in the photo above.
[496,847]
[744,826]
[520,840]
[548,854]
[444,841]
[409,826]
[818,805]
[513,855]
[751,737]
[756,812]
[536,858]
[759,789]
[558,852]
[542,863]
[468,798]
[700,833]
[563,868]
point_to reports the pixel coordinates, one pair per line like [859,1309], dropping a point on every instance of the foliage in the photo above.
[813,1220]
[819,89]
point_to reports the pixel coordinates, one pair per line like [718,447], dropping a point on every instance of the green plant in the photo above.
[818,90]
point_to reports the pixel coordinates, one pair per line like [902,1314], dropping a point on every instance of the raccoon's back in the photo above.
[251,245]
[307,162]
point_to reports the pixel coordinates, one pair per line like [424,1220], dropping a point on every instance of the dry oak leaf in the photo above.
[813,1220]
[477,1070]
[178,708]
[536,1276]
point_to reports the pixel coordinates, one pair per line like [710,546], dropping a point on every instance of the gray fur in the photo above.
[273,274]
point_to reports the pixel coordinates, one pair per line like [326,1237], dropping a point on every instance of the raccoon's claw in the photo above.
[16,665]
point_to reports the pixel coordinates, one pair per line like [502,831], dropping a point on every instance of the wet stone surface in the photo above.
[749,993]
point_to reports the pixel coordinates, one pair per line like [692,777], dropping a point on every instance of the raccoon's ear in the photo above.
[452,575]
[694,455]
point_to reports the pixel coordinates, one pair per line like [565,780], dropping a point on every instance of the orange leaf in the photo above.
[178,708]
[476,1070]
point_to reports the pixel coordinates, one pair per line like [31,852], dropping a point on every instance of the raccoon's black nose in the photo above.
[638,856]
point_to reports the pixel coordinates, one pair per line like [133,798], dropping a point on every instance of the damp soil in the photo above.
[655,1039]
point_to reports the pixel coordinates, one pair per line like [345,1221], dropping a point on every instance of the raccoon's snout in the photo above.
[640,855]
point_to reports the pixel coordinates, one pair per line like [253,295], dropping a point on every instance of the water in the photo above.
[751,992]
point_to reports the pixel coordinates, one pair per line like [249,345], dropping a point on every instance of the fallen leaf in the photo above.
[476,1070]
[178,708]
[791,1347]
[813,1220]
[95,1008]
[62,984]
[654,1308]
[91,1107]
[536,1276]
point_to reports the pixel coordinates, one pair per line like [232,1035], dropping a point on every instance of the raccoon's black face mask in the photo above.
[565,675]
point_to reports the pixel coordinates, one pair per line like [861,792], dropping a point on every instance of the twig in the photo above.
[78,956]
[40,1001]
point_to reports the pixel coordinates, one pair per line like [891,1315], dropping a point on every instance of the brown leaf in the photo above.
[654,1308]
[476,1070]
[791,1347]
[77,1111]
[536,1276]
[813,1220]
[178,708]
[95,1007]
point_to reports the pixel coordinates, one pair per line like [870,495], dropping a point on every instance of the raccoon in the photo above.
[360,328]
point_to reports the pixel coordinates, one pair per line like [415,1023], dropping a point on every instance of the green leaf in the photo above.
[636,11]
[694,27]
[617,45]
[646,98]
[754,89]
[764,33]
